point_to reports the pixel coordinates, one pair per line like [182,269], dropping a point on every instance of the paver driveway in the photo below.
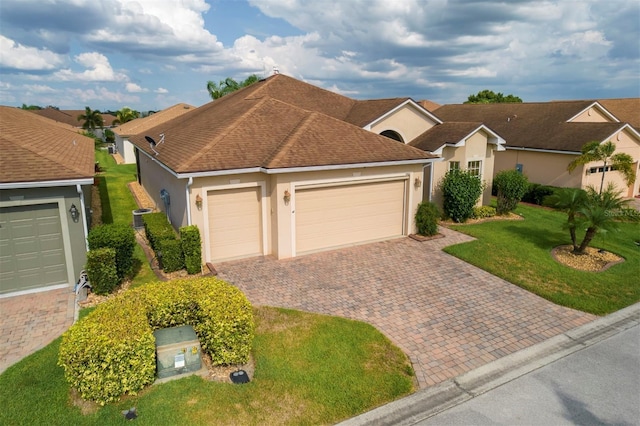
[448,316]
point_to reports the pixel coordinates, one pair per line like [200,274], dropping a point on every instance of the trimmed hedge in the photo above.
[461,190]
[157,228]
[172,257]
[483,212]
[511,186]
[119,237]
[536,193]
[427,217]
[192,248]
[111,352]
[101,270]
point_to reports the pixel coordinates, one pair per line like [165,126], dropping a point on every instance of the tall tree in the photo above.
[490,97]
[125,114]
[92,119]
[30,107]
[229,85]
[605,152]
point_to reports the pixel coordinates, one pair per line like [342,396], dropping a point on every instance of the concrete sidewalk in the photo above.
[433,400]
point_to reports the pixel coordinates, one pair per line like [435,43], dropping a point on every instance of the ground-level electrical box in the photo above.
[178,351]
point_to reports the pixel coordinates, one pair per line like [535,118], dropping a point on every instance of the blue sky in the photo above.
[151,54]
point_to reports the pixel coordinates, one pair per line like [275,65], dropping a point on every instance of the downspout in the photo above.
[84,216]
[187,191]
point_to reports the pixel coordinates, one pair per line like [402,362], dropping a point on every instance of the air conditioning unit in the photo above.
[137,217]
[111,149]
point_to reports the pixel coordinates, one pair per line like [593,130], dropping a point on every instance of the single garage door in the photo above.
[31,248]
[235,223]
[348,214]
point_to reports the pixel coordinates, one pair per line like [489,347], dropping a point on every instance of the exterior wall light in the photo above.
[199,202]
[287,196]
[417,182]
[74,212]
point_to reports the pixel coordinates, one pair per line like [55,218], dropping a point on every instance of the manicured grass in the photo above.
[117,205]
[310,369]
[520,252]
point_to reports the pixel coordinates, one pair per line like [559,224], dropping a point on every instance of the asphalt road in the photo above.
[598,385]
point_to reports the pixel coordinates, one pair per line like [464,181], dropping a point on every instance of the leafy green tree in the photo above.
[30,107]
[92,119]
[229,85]
[598,213]
[490,97]
[570,201]
[125,114]
[461,190]
[605,152]
[511,186]
[109,136]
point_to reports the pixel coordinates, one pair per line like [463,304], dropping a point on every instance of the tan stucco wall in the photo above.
[280,214]
[591,115]
[476,148]
[407,121]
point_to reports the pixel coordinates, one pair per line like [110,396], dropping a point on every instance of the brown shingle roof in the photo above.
[445,133]
[429,105]
[37,149]
[140,125]
[70,116]
[626,110]
[533,125]
[251,128]
[364,112]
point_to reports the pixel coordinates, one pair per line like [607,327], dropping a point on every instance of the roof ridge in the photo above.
[291,137]
[222,134]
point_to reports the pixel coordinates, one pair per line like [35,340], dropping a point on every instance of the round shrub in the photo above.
[461,190]
[511,185]
[119,237]
[111,352]
[427,217]
[101,270]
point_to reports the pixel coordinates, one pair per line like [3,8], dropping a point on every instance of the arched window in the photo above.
[392,135]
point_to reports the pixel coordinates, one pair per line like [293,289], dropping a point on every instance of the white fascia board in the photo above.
[46,183]
[422,111]
[633,131]
[599,107]
[552,151]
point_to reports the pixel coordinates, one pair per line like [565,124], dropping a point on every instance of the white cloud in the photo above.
[161,90]
[17,56]
[134,88]
[98,69]
[39,88]
[102,94]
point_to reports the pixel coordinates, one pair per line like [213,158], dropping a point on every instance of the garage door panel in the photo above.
[32,248]
[235,223]
[349,214]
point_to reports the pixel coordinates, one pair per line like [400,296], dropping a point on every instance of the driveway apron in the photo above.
[448,316]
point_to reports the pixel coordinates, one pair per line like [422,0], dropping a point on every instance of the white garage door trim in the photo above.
[263,207]
[356,180]
[60,201]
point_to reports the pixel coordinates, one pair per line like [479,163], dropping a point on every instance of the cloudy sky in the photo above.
[151,54]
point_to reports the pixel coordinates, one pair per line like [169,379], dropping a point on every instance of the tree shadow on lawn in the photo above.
[545,240]
[107,214]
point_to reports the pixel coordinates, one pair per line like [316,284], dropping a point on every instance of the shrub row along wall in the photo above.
[121,239]
[111,352]
[174,253]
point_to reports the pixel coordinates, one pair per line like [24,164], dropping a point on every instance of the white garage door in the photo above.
[31,248]
[348,214]
[235,223]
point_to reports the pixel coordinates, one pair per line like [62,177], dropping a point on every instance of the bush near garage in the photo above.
[427,217]
[192,248]
[101,270]
[111,352]
[119,237]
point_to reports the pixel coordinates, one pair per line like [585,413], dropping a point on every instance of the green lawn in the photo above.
[310,369]
[117,205]
[520,252]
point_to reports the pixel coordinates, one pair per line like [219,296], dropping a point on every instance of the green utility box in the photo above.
[178,351]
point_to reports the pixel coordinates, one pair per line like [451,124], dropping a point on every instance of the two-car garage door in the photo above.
[31,248]
[345,214]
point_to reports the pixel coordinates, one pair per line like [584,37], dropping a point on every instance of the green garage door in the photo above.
[31,248]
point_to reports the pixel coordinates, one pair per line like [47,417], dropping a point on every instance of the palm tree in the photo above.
[125,114]
[597,213]
[229,85]
[570,201]
[92,119]
[596,151]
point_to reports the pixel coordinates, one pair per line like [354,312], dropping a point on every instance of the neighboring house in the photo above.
[283,168]
[543,138]
[463,146]
[69,116]
[46,173]
[140,125]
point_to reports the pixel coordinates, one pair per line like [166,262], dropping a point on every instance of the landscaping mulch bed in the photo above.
[593,260]
[510,216]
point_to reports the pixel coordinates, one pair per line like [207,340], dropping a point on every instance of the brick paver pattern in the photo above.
[447,315]
[30,322]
